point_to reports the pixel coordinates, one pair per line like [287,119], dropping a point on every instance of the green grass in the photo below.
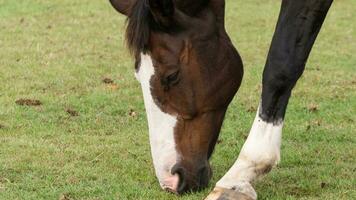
[59,51]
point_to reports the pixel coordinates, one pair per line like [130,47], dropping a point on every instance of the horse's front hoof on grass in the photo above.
[228,194]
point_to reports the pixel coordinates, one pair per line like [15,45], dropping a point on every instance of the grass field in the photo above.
[88,139]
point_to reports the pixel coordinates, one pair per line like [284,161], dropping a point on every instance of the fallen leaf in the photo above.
[113,86]
[28,102]
[64,197]
[72,112]
[132,113]
[107,81]
[313,108]
[251,109]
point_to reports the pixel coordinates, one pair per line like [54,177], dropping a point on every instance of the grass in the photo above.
[59,51]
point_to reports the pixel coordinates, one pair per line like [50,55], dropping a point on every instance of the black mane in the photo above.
[139,25]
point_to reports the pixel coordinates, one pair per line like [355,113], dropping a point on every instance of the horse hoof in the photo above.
[228,194]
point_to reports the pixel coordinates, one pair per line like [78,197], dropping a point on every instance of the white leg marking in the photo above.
[161,129]
[259,154]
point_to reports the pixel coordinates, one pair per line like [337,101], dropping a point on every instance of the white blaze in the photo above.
[161,128]
[260,152]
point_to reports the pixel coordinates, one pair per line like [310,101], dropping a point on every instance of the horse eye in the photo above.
[172,77]
[170,80]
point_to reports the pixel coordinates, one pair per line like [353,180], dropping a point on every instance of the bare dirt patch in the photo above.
[28,102]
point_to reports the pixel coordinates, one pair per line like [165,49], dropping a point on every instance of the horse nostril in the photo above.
[196,181]
[177,169]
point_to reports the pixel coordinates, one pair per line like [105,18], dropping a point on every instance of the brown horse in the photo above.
[189,72]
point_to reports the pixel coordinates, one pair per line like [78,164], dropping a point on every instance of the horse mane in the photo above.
[141,22]
[138,29]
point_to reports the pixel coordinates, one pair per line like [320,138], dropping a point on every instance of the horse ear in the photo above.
[123,6]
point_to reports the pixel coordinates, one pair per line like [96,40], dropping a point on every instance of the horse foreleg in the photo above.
[298,25]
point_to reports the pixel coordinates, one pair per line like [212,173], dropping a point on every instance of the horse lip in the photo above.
[170,183]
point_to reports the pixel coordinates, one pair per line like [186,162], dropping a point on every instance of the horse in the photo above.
[189,72]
